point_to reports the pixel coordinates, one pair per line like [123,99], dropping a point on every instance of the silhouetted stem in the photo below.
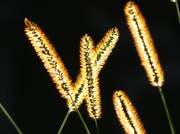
[64,121]
[80,116]
[166,110]
[10,119]
[177,9]
[97,128]
[83,122]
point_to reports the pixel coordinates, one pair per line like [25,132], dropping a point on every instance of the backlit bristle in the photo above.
[105,47]
[93,99]
[127,114]
[92,59]
[99,55]
[144,44]
[48,55]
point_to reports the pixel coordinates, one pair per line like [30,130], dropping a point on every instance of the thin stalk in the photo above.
[82,120]
[177,9]
[97,128]
[80,116]
[64,121]
[10,119]
[166,110]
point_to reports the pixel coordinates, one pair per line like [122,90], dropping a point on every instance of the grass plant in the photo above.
[92,59]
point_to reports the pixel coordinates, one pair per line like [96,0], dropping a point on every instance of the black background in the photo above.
[29,95]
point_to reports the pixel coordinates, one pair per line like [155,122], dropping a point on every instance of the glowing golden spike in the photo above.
[144,44]
[127,114]
[50,58]
[104,48]
[87,85]
[79,94]
[91,78]
[80,91]
[101,53]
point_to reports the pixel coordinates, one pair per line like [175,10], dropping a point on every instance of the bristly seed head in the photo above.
[127,114]
[144,44]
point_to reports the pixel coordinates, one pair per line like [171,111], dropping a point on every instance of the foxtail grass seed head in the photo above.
[93,99]
[144,44]
[49,57]
[105,47]
[100,55]
[127,114]
[91,57]
[80,85]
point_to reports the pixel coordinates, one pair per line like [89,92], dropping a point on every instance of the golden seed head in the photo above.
[127,114]
[144,44]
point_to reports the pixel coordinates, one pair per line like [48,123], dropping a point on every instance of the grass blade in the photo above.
[10,119]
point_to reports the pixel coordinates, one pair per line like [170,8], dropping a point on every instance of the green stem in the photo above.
[97,128]
[166,110]
[177,9]
[64,121]
[79,114]
[82,120]
[10,119]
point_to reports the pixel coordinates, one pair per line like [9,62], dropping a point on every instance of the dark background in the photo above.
[29,95]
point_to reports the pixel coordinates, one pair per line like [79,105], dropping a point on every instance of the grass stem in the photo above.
[177,9]
[79,114]
[64,121]
[97,128]
[10,119]
[166,110]
[82,120]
